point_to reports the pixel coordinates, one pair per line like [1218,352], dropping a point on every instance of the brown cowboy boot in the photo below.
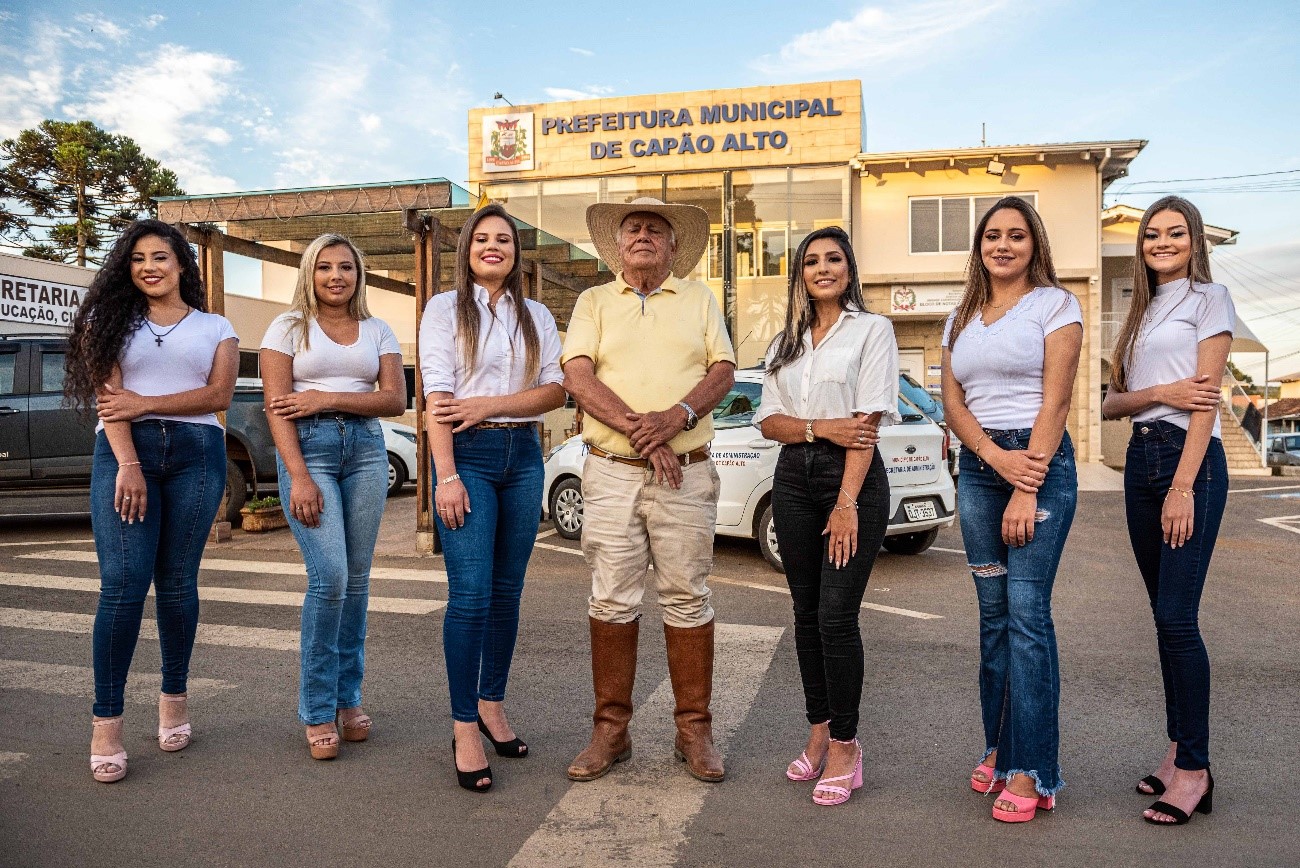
[613,671]
[690,666]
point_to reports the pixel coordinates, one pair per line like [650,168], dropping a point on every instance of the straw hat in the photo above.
[690,226]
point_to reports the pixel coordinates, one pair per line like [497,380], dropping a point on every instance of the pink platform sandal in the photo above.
[107,769]
[802,768]
[174,738]
[992,785]
[1026,807]
[839,795]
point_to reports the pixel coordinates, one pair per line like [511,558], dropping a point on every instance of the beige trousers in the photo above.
[630,522]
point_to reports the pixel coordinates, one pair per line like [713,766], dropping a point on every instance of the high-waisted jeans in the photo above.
[1020,683]
[184,465]
[347,461]
[1175,577]
[827,599]
[486,557]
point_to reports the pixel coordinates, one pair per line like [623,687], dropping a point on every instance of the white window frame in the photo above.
[1030,197]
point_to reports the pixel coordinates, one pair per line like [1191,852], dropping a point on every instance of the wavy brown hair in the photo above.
[114,307]
[468,317]
[799,310]
[978,285]
[1144,279]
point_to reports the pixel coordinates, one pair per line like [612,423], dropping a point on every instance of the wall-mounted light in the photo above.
[499,96]
[995,167]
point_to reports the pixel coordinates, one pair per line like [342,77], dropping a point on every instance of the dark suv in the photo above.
[46,448]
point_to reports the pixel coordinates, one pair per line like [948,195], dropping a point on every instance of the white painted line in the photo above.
[544,534]
[1265,488]
[274,568]
[53,542]
[555,548]
[638,813]
[949,551]
[758,586]
[1283,522]
[9,763]
[208,634]
[399,605]
[141,687]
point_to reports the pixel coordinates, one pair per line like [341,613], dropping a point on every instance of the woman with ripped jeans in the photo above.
[1011,350]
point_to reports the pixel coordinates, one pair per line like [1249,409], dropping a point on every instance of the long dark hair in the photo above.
[114,307]
[799,310]
[467,312]
[1144,279]
[978,286]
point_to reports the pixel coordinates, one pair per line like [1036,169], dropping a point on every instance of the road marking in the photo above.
[544,534]
[949,551]
[398,605]
[208,634]
[53,542]
[276,568]
[9,762]
[1283,522]
[142,688]
[639,812]
[876,607]
[554,548]
[1264,488]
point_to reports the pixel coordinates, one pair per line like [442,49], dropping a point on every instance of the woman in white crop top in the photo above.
[329,369]
[1011,350]
[157,367]
[1165,375]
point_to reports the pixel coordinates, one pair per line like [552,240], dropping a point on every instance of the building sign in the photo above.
[924,298]
[40,302]
[779,125]
[508,142]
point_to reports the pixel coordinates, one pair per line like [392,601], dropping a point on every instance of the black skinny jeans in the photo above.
[827,600]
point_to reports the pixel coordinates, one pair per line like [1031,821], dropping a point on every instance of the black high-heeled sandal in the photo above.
[1157,786]
[470,780]
[513,749]
[1204,806]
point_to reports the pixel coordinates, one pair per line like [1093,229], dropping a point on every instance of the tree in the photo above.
[68,187]
[1242,376]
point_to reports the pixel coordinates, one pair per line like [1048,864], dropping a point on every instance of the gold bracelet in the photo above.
[1185,492]
[122,464]
[976,447]
[846,506]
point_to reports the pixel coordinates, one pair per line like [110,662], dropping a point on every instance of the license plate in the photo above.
[920,511]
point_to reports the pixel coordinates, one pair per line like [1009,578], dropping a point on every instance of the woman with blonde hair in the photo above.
[329,369]
[490,364]
[1165,376]
[1011,350]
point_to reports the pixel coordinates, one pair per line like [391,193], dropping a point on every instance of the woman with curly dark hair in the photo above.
[156,367]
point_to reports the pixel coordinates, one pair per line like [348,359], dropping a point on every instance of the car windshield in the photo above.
[923,400]
[737,408]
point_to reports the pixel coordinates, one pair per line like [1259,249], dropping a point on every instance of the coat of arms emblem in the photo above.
[506,143]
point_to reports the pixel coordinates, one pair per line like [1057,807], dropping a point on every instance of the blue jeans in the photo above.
[487,556]
[1020,683]
[827,600]
[184,465]
[347,461]
[1175,577]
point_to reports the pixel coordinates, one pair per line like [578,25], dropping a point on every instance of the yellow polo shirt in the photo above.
[650,352]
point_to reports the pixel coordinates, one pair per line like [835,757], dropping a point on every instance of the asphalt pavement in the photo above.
[247,793]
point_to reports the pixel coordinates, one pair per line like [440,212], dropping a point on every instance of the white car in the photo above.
[922,498]
[403,463]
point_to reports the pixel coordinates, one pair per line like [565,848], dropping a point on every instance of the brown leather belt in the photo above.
[693,457]
[505,425]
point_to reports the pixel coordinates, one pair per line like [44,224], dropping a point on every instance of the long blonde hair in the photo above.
[304,292]
[467,312]
[978,285]
[1198,269]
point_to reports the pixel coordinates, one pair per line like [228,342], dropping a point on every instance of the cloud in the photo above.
[30,96]
[585,52]
[591,91]
[101,25]
[876,35]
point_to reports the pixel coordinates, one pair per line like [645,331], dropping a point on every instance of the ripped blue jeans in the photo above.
[1020,684]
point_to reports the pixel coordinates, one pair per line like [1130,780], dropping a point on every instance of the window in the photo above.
[249,364]
[8,363]
[946,224]
[52,371]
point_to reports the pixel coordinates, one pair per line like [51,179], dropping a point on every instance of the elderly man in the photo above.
[647,357]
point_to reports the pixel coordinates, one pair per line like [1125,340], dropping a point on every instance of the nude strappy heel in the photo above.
[355,728]
[107,769]
[174,738]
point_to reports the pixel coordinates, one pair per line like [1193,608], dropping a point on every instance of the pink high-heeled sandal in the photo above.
[174,738]
[107,769]
[839,795]
[992,785]
[802,768]
[1026,807]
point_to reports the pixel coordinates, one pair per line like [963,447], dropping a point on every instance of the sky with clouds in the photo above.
[243,95]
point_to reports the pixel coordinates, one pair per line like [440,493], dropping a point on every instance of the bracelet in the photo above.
[122,464]
[1185,492]
[451,478]
[845,506]
[849,496]
[976,447]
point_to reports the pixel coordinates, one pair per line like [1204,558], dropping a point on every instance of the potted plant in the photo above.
[262,514]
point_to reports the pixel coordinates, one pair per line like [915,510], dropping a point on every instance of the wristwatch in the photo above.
[691,419]
[808,435]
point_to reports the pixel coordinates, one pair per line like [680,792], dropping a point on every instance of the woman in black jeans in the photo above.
[832,378]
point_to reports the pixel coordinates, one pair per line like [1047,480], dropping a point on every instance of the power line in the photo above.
[1218,177]
[1259,269]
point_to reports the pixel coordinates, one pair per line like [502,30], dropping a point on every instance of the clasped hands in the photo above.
[114,404]
[649,434]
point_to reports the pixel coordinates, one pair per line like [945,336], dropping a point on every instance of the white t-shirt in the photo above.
[499,368]
[1000,367]
[853,370]
[181,363]
[330,367]
[1180,316]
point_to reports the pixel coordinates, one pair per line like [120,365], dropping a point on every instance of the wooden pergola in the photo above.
[408,233]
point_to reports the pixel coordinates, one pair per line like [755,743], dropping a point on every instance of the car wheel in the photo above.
[767,540]
[566,508]
[236,492]
[396,474]
[911,543]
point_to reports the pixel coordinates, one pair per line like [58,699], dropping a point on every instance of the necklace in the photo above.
[157,338]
